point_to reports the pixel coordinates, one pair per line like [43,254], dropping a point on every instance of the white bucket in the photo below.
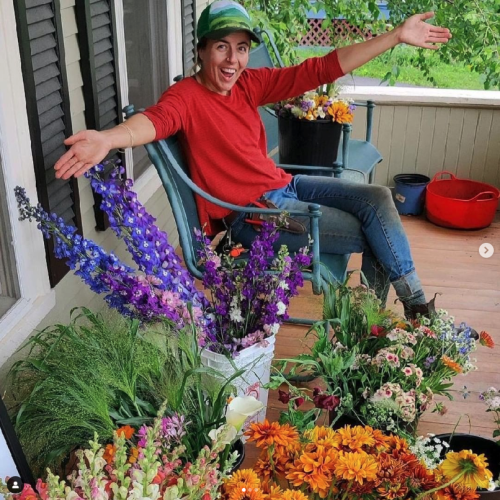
[256,360]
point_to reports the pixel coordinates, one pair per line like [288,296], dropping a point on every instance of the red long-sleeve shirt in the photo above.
[223,137]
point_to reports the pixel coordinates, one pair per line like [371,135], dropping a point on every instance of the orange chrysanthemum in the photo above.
[421,478]
[354,438]
[247,494]
[274,493]
[126,431]
[454,492]
[451,364]
[486,340]
[320,436]
[267,434]
[314,469]
[109,453]
[243,478]
[293,495]
[356,466]
[395,443]
[340,112]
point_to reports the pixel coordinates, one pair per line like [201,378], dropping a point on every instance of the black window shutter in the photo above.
[188,35]
[98,62]
[47,101]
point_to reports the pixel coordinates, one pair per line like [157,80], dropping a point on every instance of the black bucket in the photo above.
[409,193]
[305,142]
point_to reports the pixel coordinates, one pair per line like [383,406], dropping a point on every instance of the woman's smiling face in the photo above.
[222,61]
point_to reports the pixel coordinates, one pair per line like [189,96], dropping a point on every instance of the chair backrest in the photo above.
[165,155]
[260,57]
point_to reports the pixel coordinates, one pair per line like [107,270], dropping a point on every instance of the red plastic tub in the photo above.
[460,203]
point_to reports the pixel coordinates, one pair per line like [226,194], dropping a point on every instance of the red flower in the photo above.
[284,397]
[377,331]
[325,401]
[298,402]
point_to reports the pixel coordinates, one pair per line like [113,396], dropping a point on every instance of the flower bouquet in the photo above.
[376,368]
[320,104]
[310,126]
[351,462]
[249,299]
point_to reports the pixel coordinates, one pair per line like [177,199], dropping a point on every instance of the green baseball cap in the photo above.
[223,17]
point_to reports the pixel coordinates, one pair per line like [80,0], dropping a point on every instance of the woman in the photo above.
[215,114]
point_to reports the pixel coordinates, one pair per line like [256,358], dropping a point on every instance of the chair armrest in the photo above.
[303,167]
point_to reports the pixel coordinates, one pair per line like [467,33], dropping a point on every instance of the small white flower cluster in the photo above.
[430,450]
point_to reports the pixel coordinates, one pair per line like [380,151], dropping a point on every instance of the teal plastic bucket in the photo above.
[409,193]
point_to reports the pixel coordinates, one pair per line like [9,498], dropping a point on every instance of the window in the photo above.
[24,282]
[9,285]
[145,25]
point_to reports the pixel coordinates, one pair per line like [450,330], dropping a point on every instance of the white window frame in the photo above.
[149,181]
[36,297]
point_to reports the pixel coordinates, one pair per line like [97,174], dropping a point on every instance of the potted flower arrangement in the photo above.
[150,464]
[249,299]
[376,368]
[310,126]
[351,462]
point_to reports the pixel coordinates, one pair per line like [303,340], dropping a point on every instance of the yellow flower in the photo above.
[340,112]
[471,468]
[354,438]
[242,480]
[357,466]
[293,495]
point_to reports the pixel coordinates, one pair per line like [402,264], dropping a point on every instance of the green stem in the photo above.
[442,486]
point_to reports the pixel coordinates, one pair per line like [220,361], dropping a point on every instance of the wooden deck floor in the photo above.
[448,262]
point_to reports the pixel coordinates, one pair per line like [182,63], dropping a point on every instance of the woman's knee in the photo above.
[382,197]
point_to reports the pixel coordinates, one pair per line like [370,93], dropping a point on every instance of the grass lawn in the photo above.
[446,76]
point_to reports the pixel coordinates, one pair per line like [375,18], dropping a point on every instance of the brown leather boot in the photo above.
[426,310]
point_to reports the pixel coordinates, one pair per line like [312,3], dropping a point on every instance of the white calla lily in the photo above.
[240,408]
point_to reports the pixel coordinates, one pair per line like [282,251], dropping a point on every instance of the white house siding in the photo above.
[426,139]
[71,291]
[200,5]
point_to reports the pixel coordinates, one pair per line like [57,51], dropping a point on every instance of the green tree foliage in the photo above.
[475,26]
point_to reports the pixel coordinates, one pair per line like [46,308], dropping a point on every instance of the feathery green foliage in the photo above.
[101,372]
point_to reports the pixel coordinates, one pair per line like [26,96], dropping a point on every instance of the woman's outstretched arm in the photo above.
[414,31]
[89,147]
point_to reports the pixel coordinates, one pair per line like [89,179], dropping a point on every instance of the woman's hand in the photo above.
[88,148]
[415,31]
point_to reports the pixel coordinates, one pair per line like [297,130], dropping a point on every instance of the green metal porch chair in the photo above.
[356,159]
[167,158]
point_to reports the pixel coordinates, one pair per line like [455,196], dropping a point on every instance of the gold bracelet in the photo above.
[130,133]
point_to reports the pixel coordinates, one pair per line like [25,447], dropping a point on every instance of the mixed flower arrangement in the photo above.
[249,297]
[351,462]
[318,104]
[377,368]
[150,464]
[248,301]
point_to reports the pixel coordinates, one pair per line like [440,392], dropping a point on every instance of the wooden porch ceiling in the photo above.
[449,263]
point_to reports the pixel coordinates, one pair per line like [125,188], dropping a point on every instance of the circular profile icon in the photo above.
[15,484]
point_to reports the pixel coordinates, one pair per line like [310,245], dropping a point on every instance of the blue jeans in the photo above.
[356,218]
